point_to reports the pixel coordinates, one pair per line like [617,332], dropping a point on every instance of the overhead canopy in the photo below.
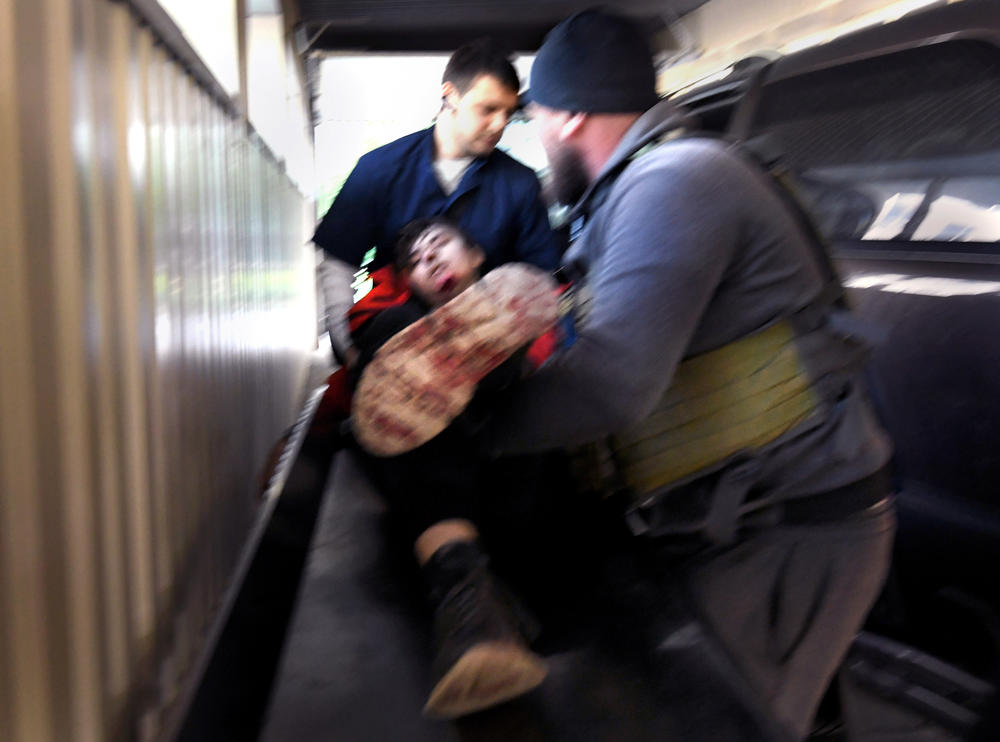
[443,25]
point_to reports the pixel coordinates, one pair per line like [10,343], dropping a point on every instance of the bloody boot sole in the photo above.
[424,376]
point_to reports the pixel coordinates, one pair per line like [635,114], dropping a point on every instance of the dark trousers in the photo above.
[515,502]
[787,602]
[440,480]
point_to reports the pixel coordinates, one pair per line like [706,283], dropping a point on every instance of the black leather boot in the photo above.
[481,656]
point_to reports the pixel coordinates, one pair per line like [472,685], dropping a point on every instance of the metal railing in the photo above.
[157,314]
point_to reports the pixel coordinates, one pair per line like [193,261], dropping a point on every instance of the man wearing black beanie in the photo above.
[708,358]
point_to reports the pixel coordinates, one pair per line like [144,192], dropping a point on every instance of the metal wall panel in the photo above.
[157,313]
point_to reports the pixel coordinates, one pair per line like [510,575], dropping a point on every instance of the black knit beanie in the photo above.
[594,62]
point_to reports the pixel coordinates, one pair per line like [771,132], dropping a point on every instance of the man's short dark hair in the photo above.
[480,57]
[411,232]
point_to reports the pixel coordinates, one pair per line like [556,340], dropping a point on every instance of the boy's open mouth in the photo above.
[446,282]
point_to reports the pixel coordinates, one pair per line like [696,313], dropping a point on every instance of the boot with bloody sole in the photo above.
[423,377]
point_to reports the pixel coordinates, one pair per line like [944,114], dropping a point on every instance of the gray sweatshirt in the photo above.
[687,250]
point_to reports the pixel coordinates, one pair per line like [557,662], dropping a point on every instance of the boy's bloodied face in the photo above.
[442,264]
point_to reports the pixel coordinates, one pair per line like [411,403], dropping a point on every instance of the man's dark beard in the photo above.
[569,177]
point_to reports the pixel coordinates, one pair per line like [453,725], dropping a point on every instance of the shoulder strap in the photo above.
[763,153]
[743,115]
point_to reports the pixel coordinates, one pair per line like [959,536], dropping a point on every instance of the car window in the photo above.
[856,205]
[902,147]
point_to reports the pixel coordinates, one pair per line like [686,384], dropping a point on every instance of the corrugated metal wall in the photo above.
[156,318]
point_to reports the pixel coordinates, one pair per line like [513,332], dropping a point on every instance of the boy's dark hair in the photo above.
[480,57]
[411,232]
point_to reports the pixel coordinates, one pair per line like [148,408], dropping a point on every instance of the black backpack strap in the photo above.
[741,121]
[765,152]
[766,155]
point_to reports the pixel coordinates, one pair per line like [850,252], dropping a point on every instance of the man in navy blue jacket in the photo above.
[452,168]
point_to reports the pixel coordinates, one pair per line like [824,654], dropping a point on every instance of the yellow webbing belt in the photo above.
[734,398]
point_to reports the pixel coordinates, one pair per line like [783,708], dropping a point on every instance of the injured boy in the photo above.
[428,367]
